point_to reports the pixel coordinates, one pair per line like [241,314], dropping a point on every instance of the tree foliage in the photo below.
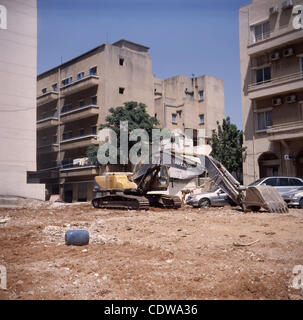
[133,112]
[226,143]
[137,117]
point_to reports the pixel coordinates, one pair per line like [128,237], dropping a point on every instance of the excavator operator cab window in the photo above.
[163,176]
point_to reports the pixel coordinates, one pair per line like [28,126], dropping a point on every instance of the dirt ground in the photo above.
[156,254]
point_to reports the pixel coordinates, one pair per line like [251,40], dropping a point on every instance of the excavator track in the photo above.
[164,201]
[121,201]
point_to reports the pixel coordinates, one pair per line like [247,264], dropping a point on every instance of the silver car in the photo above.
[281,184]
[294,198]
[215,197]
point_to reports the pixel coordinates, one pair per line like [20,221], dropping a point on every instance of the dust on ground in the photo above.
[155,254]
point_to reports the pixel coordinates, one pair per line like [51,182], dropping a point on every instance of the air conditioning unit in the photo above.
[273,10]
[288,52]
[291,99]
[287,4]
[276,101]
[275,56]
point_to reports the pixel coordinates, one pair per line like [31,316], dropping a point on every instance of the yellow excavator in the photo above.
[137,190]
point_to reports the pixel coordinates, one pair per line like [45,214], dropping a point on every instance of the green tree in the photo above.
[136,116]
[91,153]
[226,143]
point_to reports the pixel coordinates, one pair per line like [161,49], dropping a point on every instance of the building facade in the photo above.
[271,58]
[18,56]
[74,98]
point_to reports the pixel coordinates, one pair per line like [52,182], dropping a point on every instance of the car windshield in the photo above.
[256,182]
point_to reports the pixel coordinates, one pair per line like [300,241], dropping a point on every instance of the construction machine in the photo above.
[137,190]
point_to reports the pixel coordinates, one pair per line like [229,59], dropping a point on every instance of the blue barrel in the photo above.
[77,237]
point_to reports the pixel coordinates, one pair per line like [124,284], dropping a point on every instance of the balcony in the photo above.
[286,131]
[276,86]
[79,113]
[47,98]
[49,148]
[47,123]
[78,142]
[78,167]
[80,85]
[273,40]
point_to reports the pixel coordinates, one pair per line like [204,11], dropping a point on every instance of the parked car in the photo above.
[215,197]
[282,184]
[294,198]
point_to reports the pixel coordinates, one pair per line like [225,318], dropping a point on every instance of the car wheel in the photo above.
[204,203]
[301,204]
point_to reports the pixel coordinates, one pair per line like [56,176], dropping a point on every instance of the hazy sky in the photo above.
[185,36]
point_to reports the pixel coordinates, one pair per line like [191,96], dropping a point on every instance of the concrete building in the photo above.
[73,99]
[190,103]
[271,57]
[18,43]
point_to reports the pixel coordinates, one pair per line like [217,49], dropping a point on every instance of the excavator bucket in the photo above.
[265,197]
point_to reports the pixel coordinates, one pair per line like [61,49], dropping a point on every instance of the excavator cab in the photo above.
[161,180]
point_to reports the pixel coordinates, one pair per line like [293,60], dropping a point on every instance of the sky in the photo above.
[185,36]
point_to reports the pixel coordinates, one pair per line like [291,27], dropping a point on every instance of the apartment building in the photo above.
[271,58]
[18,43]
[73,99]
[190,103]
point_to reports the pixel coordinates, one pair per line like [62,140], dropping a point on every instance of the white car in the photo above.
[215,197]
[294,198]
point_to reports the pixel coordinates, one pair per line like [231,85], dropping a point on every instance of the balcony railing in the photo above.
[47,97]
[87,136]
[79,113]
[81,84]
[274,81]
[47,148]
[47,122]
[288,130]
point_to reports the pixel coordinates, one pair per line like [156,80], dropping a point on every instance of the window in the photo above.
[93,71]
[81,103]
[81,132]
[121,61]
[283,182]
[263,75]
[67,81]
[264,120]
[121,90]
[54,139]
[44,139]
[262,31]
[94,100]
[179,114]
[80,75]
[44,90]
[94,129]
[295,182]
[54,113]
[201,118]
[174,118]
[55,87]
[201,95]
[271,182]
[44,115]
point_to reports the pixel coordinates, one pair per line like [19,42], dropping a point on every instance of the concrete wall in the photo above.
[18,57]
